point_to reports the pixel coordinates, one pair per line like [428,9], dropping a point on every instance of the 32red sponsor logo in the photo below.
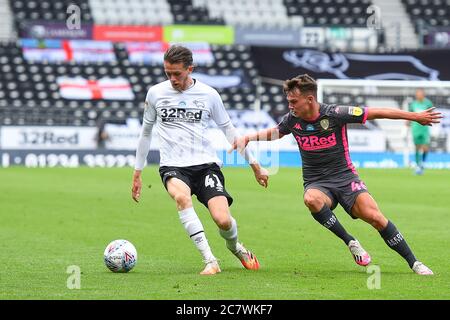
[309,143]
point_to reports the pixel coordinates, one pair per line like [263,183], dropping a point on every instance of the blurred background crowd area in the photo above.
[89,63]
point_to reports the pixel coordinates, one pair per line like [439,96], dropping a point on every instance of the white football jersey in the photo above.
[181,120]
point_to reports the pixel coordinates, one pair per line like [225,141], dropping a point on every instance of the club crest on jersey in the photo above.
[325,124]
[309,127]
[355,111]
[199,104]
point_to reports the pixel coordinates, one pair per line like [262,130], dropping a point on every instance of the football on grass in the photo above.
[120,256]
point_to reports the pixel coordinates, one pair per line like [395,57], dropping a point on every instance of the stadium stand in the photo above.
[31,94]
[47,11]
[193,12]
[6,23]
[252,13]
[133,12]
[328,12]
[432,13]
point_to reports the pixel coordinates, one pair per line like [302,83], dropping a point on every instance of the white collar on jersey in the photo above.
[192,84]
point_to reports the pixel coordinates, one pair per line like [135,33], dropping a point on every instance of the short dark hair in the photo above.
[304,82]
[179,54]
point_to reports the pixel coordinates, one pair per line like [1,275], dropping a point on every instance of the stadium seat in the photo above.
[33,85]
[349,13]
[428,13]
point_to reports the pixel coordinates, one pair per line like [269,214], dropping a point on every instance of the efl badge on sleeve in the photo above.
[355,111]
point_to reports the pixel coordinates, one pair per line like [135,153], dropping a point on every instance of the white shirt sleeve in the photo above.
[223,121]
[143,146]
[145,138]
[150,110]
[218,112]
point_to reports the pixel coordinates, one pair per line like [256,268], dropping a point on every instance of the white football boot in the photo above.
[420,268]
[212,267]
[359,254]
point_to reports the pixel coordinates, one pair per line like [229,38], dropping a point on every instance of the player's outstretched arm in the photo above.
[263,135]
[239,144]
[261,174]
[426,117]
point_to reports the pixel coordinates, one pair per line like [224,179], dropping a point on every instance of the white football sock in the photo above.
[231,236]
[194,229]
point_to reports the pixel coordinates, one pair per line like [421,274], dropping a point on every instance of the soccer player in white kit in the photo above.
[181,108]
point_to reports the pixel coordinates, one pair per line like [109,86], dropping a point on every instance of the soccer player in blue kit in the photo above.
[328,173]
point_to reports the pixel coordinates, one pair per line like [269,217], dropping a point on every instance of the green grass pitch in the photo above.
[51,219]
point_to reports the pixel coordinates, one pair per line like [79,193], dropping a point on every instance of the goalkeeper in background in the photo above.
[420,133]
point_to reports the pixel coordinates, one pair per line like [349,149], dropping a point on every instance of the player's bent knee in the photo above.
[223,223]
[379,222]
[183,201]
[222,219]
[315,204]
[376,224]
[376,220]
